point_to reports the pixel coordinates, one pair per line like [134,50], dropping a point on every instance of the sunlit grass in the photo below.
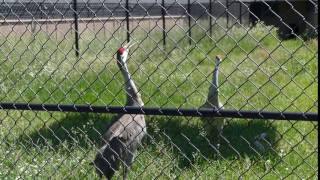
[258,72]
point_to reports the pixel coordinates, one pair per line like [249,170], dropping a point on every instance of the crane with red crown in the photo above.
[124,136]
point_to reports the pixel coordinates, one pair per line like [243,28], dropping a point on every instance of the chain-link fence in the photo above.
[211,89]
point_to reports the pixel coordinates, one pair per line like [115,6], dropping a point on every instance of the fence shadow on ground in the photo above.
[79,129]
[184,139]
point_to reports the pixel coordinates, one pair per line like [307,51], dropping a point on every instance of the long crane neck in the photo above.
[133,96]
[213,95]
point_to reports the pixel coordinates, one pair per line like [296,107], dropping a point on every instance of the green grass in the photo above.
[258,72]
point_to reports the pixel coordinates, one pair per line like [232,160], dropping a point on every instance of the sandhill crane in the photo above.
[125,134]
[214,124]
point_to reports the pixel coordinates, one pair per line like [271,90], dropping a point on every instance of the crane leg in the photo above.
[125,172]
[219,126]
[219,139]
[127,164]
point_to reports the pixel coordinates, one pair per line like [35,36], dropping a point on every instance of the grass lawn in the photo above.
[258,72]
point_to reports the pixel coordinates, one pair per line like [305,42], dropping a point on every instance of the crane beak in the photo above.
[218,57]
[132,44]
[126,45]
[129,45]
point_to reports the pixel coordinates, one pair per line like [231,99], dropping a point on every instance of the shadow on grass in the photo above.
[181,136]
[75,129]
[187,140]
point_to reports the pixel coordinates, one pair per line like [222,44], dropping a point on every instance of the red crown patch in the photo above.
[121,50]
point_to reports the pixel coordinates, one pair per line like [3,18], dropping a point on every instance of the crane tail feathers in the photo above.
[107,159]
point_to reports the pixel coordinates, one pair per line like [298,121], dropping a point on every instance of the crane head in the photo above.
[122,53]
[218,60]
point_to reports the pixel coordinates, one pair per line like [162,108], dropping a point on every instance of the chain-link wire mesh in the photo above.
[63,56]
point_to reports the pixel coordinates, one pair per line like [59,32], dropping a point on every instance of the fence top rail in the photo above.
[199,112]
[54,20]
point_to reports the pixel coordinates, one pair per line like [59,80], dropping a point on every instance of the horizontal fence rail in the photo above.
[204,112]
[85,20]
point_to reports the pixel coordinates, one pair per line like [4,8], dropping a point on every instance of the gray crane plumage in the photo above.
[125,134]
[214,124]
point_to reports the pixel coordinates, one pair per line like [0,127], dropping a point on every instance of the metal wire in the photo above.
[60,87]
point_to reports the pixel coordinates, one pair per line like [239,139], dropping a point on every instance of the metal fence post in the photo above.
[227,15]
[240,12]
[163,13]
[76,27]
[189,21]
[127,20]
[210,18]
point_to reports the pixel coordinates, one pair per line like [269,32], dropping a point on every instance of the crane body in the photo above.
[214,125]
[124,136]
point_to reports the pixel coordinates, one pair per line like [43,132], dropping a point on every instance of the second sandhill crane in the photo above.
[125,134]
[214,125]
